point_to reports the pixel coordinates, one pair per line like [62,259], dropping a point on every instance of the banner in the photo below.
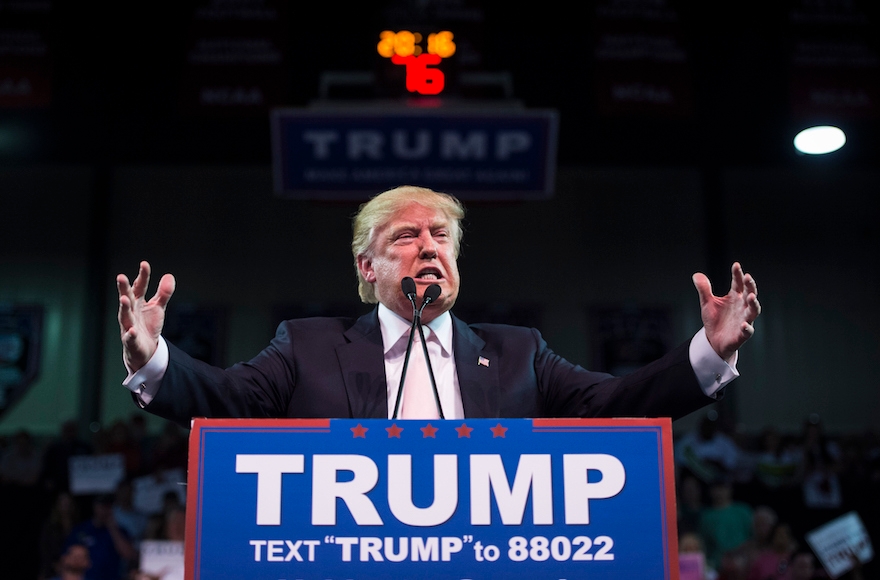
[26,54]
[839,541]
[478,499]
[352,154]
[235,62]
[162,559]
[96,474]
[641,63]
[834,62]
[151,491]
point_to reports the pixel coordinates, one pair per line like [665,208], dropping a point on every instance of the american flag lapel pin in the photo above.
[483,361]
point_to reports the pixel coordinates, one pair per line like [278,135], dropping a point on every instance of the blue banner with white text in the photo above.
[354,154]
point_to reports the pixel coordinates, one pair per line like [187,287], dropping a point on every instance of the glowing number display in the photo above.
[385,47]
[419,78]
[440,43]
[403,49]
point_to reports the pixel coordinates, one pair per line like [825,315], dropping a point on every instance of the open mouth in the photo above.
[429,275]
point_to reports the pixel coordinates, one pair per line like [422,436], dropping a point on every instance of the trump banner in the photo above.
[458,499]
[497,154]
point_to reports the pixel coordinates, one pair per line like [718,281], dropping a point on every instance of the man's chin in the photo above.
[435,309]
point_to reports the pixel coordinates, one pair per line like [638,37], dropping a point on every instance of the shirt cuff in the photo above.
[144,383]
[713,372]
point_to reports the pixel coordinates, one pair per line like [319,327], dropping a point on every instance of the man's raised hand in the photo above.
[729,319]
[141,320]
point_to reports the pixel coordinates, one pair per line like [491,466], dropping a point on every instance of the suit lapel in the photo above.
[362,361]
[477,376]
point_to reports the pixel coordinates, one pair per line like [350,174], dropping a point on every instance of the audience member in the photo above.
[22,506]
[120,440]
[733,566]
[764,520]
[776,463]
[175,524]
[726,524]
[773,562]
[169,523]
[22,461]
[56,530]
[74,563]
[692,543]
[110,549]
[821,488]
[137,427]
[803,567]
[777,468]
[820,449]
[690,503]
[56,469]
[707,452]
[127,516]
[170,451]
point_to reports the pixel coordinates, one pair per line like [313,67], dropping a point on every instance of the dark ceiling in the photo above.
[117,68]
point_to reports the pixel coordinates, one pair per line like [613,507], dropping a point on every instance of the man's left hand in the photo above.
[729,319]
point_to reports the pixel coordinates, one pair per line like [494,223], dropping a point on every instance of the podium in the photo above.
[473,499]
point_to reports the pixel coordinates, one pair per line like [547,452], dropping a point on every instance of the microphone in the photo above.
[408,287]
[432,292]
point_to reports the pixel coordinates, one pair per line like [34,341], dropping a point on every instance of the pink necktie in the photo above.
[418,396]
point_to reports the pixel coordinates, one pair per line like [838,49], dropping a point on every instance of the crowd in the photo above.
[747,504]
[49,532]
[744,503]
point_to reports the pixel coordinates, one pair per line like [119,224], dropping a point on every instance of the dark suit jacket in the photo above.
[334,367]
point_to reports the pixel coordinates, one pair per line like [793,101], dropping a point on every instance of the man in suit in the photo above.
[337,367]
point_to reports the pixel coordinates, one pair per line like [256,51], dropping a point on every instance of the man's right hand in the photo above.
[141,321]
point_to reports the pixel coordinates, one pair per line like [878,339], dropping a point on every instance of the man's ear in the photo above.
[365,265]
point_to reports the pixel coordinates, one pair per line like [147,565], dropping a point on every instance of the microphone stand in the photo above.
[408,286]
[432,292]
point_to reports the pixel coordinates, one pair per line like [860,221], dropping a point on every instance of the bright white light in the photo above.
[819,140]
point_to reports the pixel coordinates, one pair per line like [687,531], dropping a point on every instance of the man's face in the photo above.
[102,511]
[76,559]
[802,567]
[416,242]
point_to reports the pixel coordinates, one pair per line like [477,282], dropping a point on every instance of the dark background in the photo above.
[117,69]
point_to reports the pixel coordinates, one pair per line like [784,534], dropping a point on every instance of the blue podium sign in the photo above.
[473,499]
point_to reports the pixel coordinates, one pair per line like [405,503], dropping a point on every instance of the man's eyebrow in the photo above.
[403,227]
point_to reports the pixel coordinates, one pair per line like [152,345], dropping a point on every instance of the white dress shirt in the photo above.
[438,335]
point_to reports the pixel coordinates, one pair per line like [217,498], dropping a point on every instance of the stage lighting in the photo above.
[819,140]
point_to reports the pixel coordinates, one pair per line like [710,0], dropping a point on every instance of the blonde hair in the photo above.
[376,212]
